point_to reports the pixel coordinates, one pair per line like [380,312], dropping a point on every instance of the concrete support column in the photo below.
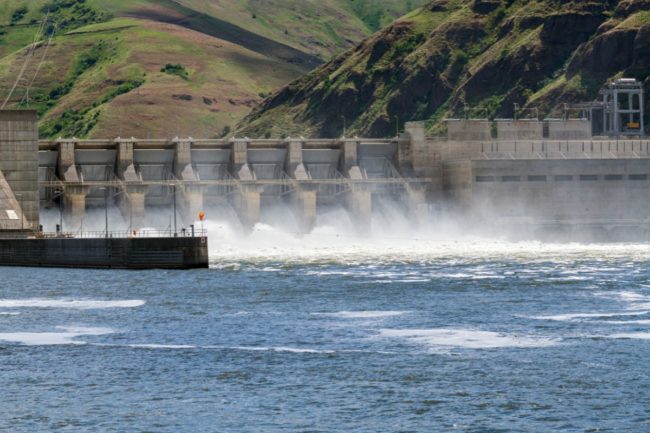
[247,205]
[403,158]
[239,154]
[189,198]
[358,202]
[416,202]
[192,198]
[294,160]
[66,167]
[125,159]
[132,200]
[303,205]
[74,201]
[423,155]
[303,199]
[247,201]
[350,155]
[132,205]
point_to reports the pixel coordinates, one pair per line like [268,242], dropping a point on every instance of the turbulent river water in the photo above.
[331,333]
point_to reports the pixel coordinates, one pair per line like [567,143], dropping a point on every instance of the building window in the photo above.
[638,177]
[485,178]
[588,177]
[511,179]
[563,178]
[536,178]
[613,177]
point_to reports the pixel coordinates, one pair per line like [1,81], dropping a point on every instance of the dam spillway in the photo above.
[246,175]
[542,173]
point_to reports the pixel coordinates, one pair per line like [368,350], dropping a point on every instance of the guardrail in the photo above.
[117,234]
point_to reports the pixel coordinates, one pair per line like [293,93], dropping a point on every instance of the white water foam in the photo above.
[632,336]
[334,239]
[466,338]
[363,314]
[7,313]
[161,346]
[272,349]
[79,304]
[570,317]
[155,346]
[53,338]
[636,301]
[627,322]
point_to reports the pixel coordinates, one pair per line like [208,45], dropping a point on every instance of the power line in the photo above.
[30,53]
[38,68]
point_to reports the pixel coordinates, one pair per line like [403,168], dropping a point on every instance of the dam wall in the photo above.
[523,173]
[141,176]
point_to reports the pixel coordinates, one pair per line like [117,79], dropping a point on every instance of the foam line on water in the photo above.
[632,336]
[53,338]
[161,346]
[78,304]
[279,349]
[8,313]
[627,322]
[466,338]
[362,314]
[569,317]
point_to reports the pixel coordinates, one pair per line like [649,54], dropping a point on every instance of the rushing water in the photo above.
[329,333]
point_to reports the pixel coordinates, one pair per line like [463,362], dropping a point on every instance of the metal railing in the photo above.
[116,234]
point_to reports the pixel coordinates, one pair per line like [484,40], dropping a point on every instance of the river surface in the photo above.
[342,336]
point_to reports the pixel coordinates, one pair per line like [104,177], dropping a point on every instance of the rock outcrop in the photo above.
[450,55]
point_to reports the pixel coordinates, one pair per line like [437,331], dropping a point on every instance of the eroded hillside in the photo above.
[164,68]
[488,54]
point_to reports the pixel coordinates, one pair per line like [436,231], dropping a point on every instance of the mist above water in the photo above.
[394,236]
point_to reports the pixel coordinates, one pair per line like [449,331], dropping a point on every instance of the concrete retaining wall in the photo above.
[122,253]
[19,160]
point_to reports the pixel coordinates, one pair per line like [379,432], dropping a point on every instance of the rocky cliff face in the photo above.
[451,56]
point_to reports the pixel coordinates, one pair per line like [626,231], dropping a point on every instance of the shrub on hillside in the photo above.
[175,69]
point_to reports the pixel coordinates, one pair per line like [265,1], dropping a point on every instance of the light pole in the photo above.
[345,129]
[396,126]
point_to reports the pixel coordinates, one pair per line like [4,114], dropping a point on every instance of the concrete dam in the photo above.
[529,173]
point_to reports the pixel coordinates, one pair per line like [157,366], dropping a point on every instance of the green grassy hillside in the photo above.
[487,55]
[104,73]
